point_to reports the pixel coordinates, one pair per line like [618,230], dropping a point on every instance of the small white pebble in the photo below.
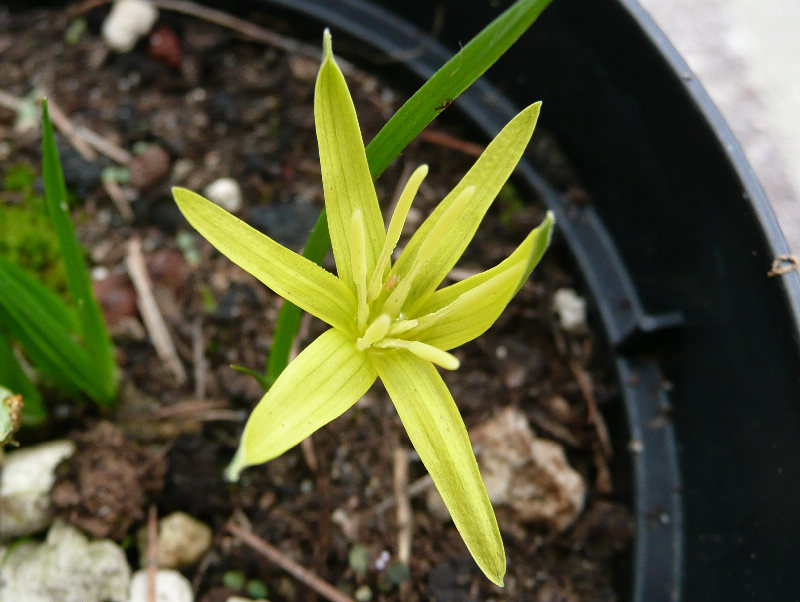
[171,586]
[571,309]
[99,272]
[128,21]
[226,193]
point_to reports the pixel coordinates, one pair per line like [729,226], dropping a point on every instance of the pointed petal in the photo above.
[437,432]
[487,175]
[345,174]
[290,275]
[320,384]
[463,311]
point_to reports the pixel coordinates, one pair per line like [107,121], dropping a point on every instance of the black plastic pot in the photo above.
[675,248]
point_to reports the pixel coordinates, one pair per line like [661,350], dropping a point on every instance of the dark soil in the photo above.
[225,107]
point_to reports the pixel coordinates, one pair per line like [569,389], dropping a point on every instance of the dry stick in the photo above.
[82,138]
[65,126]
[416,488]
[404,525]
[103,145]
[601,443]
[117,196]
[152,553]
[60,121]
[449,141]
[153,320]
[309,454]
[199,357]
[245,28]
[11,102]
[593,414]
[300,573]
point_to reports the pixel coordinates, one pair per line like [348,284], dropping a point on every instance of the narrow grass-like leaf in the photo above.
[450,81]
[26,312]
[422,108]
[95,336]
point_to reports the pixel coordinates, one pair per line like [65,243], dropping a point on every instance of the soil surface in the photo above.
[213,105]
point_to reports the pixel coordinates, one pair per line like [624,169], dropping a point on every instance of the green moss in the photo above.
[26,234]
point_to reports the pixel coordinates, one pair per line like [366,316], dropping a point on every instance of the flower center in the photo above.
[382,294]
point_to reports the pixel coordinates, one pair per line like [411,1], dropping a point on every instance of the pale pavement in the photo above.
[746,53]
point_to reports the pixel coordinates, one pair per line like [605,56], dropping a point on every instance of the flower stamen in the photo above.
[446,360]
[374,332]
[394,230]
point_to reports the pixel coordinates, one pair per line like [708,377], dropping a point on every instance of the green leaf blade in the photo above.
[323,382]
[471,306]
[290,275]
[438,434]
[450,81]
[98,343]
[44,337]
[346,179]
[487,176]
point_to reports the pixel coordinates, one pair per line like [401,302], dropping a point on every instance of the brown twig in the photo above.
[152,553]
[103,145]
[297,571]
[448,141]
[11,102]
[84,140]
[199,357]
[593,414]
[416,488]
[403,505]
[153,320]
[309,455]
[117,197]
[188,409]
[601,442]
[246,29]
[66,127]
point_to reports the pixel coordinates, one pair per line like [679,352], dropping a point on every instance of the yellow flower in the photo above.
[388,320]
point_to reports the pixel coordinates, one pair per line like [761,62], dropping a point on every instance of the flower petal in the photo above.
[346,180]
[487,175]
[463,311]
[437,432]
[320,384]
[290,275]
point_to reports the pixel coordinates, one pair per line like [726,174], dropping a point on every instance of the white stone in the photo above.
[26,478]
[182,541]
[571,309]
[226,193]
[128,21]
[67,567]
[171,586]
[527,473]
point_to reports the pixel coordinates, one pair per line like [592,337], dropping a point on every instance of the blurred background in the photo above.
[746,53]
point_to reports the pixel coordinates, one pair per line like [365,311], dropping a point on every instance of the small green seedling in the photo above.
[66,344]
[388,320]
